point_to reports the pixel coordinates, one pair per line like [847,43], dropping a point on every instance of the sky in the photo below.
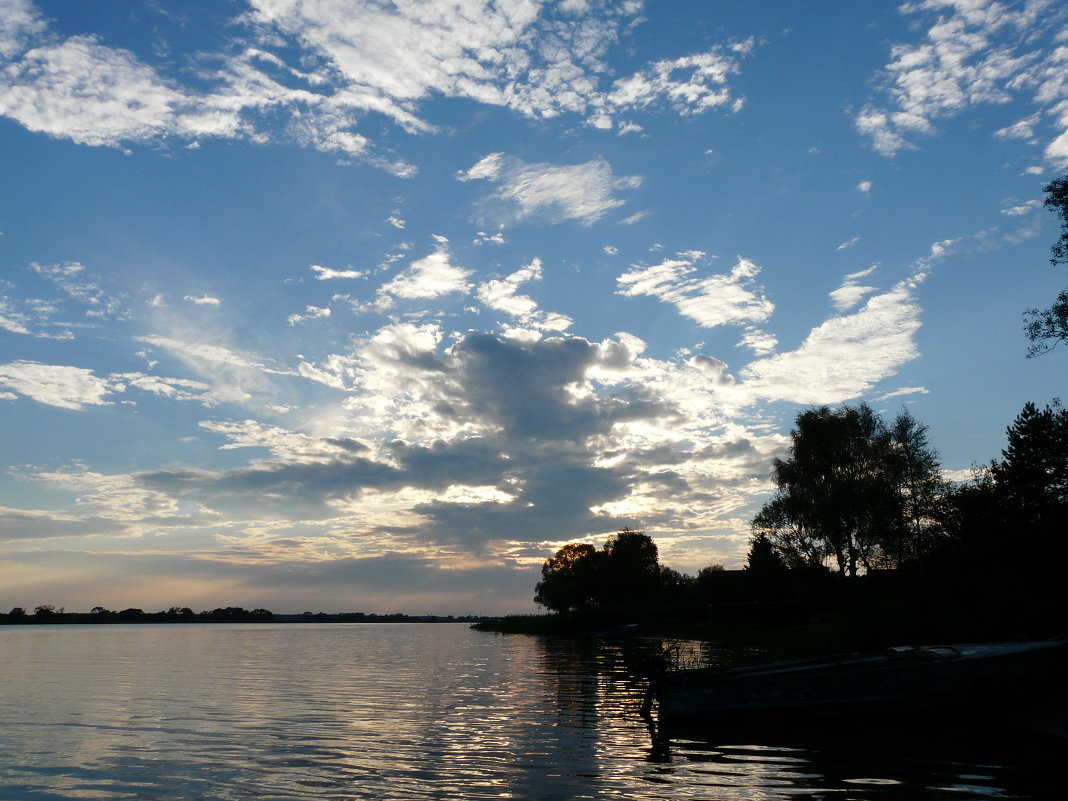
[356,305]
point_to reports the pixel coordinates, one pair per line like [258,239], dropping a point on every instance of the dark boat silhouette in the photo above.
[901,680]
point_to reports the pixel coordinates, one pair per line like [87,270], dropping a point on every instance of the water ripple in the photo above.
[421,712]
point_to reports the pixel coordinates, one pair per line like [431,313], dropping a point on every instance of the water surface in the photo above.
[429,711]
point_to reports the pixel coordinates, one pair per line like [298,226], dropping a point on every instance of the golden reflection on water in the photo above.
[412,711]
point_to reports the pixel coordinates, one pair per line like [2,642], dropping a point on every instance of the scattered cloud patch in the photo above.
[851,292]
[203,300]
[553,194]
[1025,208]
[328,273]
[503,295]
[710,301]
[55,385]
[848,243]
[429,277]
[973,54]
[310,313]
[864,187]
[902,391]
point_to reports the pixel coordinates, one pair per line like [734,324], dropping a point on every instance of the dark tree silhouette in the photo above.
[916,474]
[569,579]
[833,488]
[1047,327]
[852,491]
[631,570]
[1033,471]
[625,571]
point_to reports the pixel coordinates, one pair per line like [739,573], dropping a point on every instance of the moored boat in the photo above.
[899,680]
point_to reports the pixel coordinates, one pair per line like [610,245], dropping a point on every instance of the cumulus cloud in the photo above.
[54,384]
[973,53]
[710,301]
[582,192]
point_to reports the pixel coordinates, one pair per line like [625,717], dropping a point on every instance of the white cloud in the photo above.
[848,243]
[396,221]
[174,388]
[843,357]
[864,186]
[715,300]
[582,192]
[327,273]
[974,52]
[89,93]
[760,342]
[233,375]
[640,215]
[203,300]
[54,384]
[318,68]
[310,313]
[1026,208]
[503,295]
[851,292]
[73,279]
[483,238]
[19,22]
[429,277]
[897,393]
[689,84]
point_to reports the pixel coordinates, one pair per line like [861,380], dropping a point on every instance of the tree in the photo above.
[569,578]
[631,568]
[852,491]
[1047,327]
[763,559]
[833,489]
[626,570]
[917,476]
[1032,474]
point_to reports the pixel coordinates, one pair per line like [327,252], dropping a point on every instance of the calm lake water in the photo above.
[433,711]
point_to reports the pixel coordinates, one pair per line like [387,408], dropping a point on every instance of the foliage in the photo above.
[1033,471]
[1047,327]
[625,570]
[852,491]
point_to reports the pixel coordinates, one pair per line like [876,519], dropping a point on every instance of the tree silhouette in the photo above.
[1033,471]
[852,491]
[1047,327]
[625,571]
[569,579]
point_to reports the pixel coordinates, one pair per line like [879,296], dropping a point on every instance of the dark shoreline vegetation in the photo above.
[48,614]
[863,546]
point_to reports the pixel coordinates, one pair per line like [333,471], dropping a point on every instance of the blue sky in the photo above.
[372,306]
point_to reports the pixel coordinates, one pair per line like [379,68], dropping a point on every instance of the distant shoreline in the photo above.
[186,616]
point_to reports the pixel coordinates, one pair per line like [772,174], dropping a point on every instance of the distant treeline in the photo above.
[48,614]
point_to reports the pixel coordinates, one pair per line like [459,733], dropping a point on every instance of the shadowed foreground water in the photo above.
[432,711]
